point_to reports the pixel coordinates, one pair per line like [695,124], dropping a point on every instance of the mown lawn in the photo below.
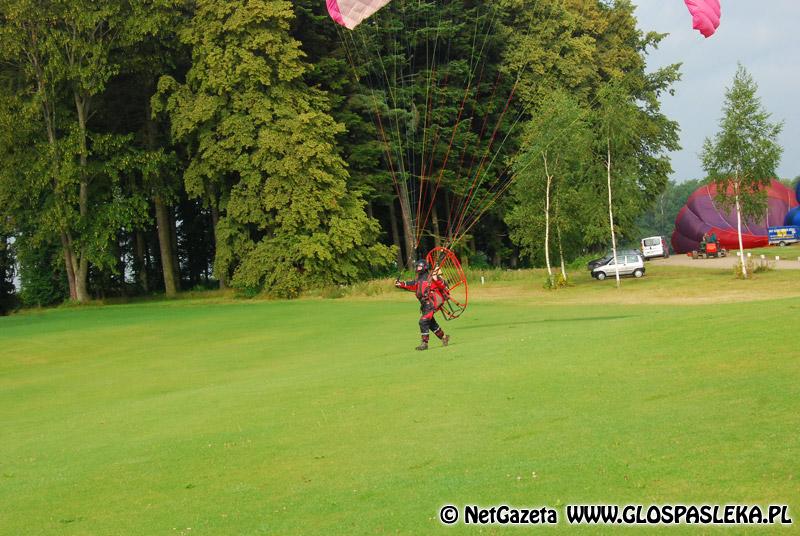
[790,252]
[317,417]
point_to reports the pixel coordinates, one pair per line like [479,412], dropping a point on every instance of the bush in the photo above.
[753,267]
[764,266]
[738,273]
[479,261]
[556,282]
[247,293]
[581,262]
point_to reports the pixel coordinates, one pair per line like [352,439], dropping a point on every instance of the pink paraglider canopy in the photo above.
[706,15]
[350,13]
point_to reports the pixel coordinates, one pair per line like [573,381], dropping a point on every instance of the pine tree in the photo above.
[430,82]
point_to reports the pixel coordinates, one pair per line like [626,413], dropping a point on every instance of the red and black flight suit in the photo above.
[431,293]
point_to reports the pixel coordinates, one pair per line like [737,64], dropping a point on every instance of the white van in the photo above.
[655,246]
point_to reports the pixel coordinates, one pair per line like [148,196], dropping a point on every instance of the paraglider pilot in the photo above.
[431,292]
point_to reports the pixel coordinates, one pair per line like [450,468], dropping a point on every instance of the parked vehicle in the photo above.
[607,257]
[598,262]
[709,250]
[655,246]
[783,236]
[627,263]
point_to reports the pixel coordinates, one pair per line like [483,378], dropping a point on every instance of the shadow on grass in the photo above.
[549,321]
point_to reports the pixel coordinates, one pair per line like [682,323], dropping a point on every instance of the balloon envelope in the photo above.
[702,214]
[706,15]
[793,218]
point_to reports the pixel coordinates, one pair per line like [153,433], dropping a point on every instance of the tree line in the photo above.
[159,145]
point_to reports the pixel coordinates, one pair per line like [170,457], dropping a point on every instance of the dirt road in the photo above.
[726,263]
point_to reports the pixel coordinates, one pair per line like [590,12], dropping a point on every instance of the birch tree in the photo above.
[554,156]
[632,138]
[743,156]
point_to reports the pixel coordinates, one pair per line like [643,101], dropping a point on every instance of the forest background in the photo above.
[153,146]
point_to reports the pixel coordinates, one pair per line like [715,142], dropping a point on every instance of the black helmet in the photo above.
[422,266]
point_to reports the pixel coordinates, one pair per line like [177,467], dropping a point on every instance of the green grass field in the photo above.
[790,252]
[218,416]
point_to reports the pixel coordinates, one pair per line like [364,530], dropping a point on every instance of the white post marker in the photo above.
[749,254]
[777,258]
[483,280]
[763,257]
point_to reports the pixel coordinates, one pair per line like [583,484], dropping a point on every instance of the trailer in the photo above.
[783,236]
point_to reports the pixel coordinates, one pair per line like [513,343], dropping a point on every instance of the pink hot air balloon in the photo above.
[705,15]
[350,13]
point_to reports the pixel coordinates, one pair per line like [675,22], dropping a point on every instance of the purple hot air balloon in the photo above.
[706,15]
[702,214]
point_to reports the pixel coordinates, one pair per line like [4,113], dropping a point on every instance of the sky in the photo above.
[764,36]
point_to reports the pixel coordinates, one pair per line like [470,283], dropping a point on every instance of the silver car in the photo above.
[627,263]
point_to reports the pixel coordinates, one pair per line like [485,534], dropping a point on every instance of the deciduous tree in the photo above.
[743,156]
[265,139]
[551,166]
